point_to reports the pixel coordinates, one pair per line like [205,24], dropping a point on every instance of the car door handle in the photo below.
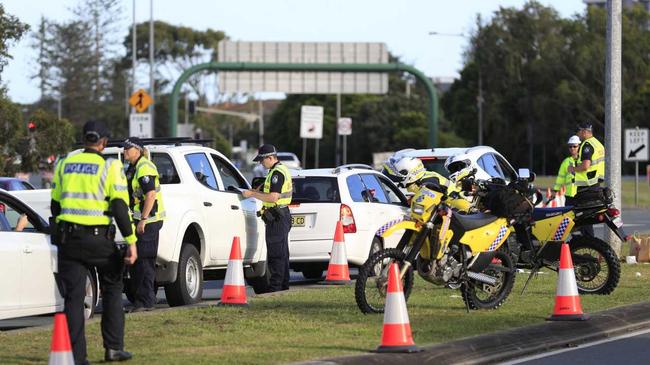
[207,204]
[27,249]
[234,207]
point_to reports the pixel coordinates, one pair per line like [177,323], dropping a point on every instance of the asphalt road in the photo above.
[211,292]
[630,349]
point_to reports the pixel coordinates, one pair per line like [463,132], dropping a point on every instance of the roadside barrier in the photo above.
[396,334]
[234,289]
[337,271]
[61,350]
[567,300]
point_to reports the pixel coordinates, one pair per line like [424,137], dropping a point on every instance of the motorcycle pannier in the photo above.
[595,197]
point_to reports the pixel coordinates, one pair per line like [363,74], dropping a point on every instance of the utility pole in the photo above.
[613,110]
[133,57]
[151,68]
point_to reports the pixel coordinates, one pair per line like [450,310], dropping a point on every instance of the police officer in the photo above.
[590,167]
[88,191]
[148,213]
[564,177]
[275,197]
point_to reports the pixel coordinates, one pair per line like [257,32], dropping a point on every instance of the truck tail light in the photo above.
[613,212]
[347,219]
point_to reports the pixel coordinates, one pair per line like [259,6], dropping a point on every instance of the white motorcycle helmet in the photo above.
[407,169]
[455,165]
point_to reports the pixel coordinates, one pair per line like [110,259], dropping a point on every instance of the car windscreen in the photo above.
[435,164]
[315,189]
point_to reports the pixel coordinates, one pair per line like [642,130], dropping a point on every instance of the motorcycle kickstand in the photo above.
[533,272]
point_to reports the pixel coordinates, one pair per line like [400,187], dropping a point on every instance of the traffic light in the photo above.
[31,127]
[191,107]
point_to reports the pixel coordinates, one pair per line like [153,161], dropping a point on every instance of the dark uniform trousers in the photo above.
[143,272]
[277,248]
[80,251]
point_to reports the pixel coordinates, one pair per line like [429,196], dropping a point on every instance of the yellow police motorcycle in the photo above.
[447,248]
[596,265]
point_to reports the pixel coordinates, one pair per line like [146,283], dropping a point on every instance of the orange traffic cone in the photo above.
[234,289]
[338,271]
[396,334]
[61,351]
[567,301]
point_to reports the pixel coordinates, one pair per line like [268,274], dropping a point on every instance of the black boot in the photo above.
[117,355]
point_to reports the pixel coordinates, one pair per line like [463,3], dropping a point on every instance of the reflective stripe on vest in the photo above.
[144,167]
[286,191]
[84,180]
[596,171]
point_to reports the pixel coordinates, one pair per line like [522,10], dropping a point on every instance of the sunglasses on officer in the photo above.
[576,146]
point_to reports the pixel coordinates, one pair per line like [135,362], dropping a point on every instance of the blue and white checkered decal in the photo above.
[561,229]
[495,243]
[386,226]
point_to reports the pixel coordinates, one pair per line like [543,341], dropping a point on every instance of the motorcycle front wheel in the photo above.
[372,281]
[479,295]
[597,268]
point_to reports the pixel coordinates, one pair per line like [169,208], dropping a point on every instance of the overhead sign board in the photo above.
[304,53]
[636,144]
[140,125]
[344,126]
[140,100]
[311,122]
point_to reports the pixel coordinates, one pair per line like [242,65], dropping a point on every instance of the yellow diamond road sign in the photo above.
[140,100]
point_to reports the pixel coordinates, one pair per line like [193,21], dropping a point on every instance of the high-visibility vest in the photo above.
[596,171]
[84,185]
[565,178]
[287,187]
[144,167]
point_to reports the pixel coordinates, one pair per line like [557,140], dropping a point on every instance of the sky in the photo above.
[404,25]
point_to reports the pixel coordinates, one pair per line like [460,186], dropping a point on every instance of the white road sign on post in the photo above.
[140,125]
[311,122]
[636,144]
[344,126]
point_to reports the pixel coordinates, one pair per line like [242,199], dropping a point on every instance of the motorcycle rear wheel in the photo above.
[478,295]
[372,281]
[597,268]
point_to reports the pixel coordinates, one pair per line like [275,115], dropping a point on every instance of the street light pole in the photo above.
[479,98]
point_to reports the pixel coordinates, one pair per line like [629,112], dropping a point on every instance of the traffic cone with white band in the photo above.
[61,350]
[396,335]
[338,271]
[234,289]
[567,300]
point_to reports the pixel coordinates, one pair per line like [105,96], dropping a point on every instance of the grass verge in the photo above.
[314,323]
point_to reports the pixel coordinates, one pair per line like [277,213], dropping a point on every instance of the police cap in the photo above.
[265,150]
[133,142]
[94,130]
[584,125]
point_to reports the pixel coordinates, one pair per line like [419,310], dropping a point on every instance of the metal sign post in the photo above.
[311,127]
[636,149]
[344,128]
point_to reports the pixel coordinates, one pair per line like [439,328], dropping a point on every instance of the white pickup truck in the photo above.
[202,217]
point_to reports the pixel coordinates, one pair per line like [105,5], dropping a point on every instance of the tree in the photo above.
[12,134]
[11,30]
[51,137]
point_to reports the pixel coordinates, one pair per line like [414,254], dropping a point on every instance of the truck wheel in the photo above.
[188,287]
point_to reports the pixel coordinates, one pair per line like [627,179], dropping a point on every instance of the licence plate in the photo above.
[618,222]
[297,220]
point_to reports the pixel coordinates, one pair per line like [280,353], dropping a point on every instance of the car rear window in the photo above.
[286,158]
[435,164]
[315,189]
